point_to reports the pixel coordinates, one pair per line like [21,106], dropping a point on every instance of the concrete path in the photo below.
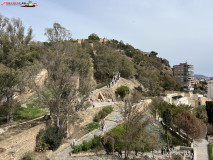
[103,104]
[202,150]
[110,122]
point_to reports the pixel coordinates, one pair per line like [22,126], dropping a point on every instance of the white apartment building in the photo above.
[210,89]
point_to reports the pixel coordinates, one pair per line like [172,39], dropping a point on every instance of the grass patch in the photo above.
[28,156]
[29,113]
[92,126]
[103,113]
[102,85]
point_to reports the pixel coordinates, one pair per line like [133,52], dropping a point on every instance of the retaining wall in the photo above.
[14,147]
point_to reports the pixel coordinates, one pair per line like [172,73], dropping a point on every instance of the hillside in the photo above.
[89,63]
[109,56]
[63,86]
[198,76]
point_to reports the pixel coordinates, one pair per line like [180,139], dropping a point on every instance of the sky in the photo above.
[179,30]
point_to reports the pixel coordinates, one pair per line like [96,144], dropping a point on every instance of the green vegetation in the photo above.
[85,146]
[9,109]
[93,37]
[51,138]
[103,113]
[209,110]
[167,119]
[28,156]
[100,85]
[183,118]
[92,126]
[142,140]
[200,113]
[200,88]
[210,151]
[29,113]
[21,57]
[119,139]
[173,138]
[16,58]
[163,106]
[122,91]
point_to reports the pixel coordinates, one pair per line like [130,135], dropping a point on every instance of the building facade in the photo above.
[210,89]
[184,74]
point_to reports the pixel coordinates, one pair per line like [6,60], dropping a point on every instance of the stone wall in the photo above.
[14,147]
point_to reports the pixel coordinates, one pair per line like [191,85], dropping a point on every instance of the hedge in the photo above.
[85,146]
[103,113]
[92,126]
[210,151]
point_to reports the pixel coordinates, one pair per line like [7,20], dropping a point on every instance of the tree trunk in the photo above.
[10,107]
[58,121]
[125,154]
[10,118]
[167,138]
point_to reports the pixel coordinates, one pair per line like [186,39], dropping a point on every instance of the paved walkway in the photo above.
[103,104]
[110,122]
[202,150]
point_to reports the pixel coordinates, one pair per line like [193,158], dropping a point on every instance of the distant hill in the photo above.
[199,76]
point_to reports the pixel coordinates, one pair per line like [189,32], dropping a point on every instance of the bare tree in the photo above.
[58,35]
[192,126]
[152,141]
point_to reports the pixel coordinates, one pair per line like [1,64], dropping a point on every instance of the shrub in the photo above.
[210,151]
[92,126]
[103,113]
[177,157]
[85,146]
[97,118]
[53,137]
[28,156]
[108,147]
[122,91]
[108,109]
[41,144]
[77,149]
[96,141]
[139,89]
[49,139]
